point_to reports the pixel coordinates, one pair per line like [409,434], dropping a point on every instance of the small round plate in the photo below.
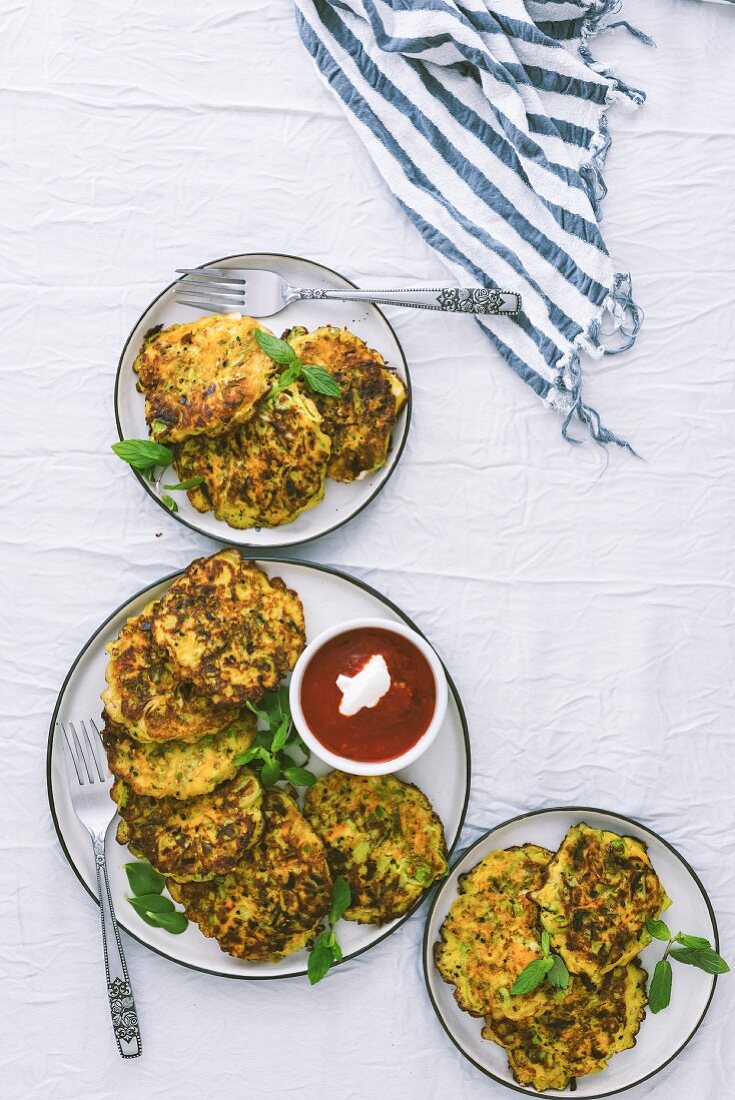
[661,1037]
[329,597]
[341,501]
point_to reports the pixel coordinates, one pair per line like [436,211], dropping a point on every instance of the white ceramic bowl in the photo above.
[345,763]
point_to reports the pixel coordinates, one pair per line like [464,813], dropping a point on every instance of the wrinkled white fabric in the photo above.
[587,617]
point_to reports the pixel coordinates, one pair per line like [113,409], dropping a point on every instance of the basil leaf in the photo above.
[175,922]
[151,903]
[558,975]
[270,773]
[692,941]
[300,777]
[280,737]
[341,899]
[658,929]
[703,957]
[169,502]
[277,350]
[190,484]
[321,958]
[143,454]
[144,879]
[545,942]
[321,381]
[531,976]
[659,993]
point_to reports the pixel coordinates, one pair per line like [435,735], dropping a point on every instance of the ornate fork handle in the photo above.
[119,991]
[446,299]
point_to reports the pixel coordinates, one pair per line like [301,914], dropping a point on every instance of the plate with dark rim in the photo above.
[341,501]
[329,596]
[661,1037]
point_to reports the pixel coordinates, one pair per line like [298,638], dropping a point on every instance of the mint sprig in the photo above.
[148,901]
[326,950]
[145,455]
[317,378]
[694,951]
[549,966]
[277,751]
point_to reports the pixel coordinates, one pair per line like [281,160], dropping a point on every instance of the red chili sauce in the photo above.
[395,723]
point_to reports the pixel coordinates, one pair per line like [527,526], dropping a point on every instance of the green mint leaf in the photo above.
[703,957]
[270,773]
[143,454]
[658,929]
[277,350]
[335,947]
[280,737]
[143,879]
[321,958]
[558,975]
[321,381]
[169,502]
[531,976]
[148,904]
[341,899]
[190,484]
[659,992]
[261,714]
[285,379]
[249,755]
[175,922]
[692,941]
[545,942]
[300,777]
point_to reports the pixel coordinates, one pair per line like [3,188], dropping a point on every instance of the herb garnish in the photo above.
[551,967]
[145,455]
[326,949]
[148,901]
[281,352]
[272,752]
[695,951]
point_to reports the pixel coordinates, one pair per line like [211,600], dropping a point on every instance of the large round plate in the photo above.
[661,1037]
[341,501]
[329,597]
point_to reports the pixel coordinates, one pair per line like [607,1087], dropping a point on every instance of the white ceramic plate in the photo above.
[328,597]
[341,501]
[661,1037]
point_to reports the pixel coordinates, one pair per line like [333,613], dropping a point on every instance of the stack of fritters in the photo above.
[264,460]
[593,897]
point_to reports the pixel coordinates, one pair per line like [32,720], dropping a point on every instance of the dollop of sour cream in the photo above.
[366,688]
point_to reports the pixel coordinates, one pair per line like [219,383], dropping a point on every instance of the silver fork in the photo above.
[89,786]
[262,293]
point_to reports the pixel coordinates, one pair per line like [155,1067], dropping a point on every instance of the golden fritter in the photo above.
[229,628]
[492,932]
[205,376]
[383,836]
[578,1030]
[599,889]
[360,422]
[267,472]
[147,694]
[178,769]
[275,900]
[195,839]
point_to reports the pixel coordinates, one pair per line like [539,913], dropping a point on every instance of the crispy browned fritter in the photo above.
[232,630]
[148,694]
[274,902]
[383,836]
[360,422]
[204,376]
[193,839]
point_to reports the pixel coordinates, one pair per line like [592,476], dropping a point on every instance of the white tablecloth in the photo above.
[586,616]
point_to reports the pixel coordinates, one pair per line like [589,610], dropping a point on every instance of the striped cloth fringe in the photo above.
[487,120]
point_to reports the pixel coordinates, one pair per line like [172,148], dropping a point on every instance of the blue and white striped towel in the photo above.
[491,132]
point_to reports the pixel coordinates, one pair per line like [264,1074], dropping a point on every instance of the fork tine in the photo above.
[80,753]
[69,757]
[222,307]
[221,274]
[212,286]
[99,750]
[92,753]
